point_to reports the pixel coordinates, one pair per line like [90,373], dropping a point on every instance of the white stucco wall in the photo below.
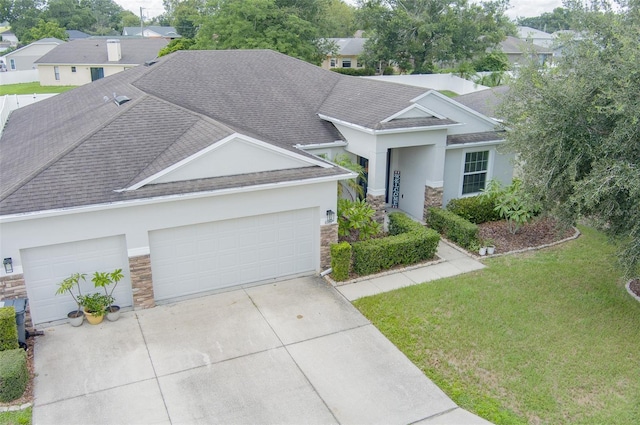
[470,122]
[136,220]
[80,77]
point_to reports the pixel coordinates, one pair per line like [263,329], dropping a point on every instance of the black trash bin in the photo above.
[20,306]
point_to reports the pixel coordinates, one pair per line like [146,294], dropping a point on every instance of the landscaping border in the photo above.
[15,408]
[575,235]
[628,286]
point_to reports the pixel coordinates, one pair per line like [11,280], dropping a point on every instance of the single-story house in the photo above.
[24,58]
[517,50]
[196,178]
[348,50]
[82,61]
[9,37]
[152,31]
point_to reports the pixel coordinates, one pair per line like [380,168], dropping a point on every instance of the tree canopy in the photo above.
[417,34]
[559,19]
[576,127]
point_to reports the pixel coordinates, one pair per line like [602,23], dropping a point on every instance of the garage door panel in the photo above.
[233,252]
[45,267]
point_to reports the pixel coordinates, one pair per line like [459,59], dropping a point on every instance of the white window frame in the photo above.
[489,171]
[73,69]
[56,73]
[348,60]
[332,62]
[12,64]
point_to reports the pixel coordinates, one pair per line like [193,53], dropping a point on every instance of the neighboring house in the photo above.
[76,35]
[535,36]
[209,176]
[24,58]
[8,36]
[80,62]
[348,50]
[151,31]
[517,50]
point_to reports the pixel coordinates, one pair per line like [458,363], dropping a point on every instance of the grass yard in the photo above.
[550,337]
[20,417]
[31,88]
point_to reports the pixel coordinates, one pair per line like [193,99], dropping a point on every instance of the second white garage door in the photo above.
[204,257]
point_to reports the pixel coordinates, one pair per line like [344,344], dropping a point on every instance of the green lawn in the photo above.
[549,337]
[31,88]
[20,417]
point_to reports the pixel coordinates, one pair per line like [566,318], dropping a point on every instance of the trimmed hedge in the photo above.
[454,227]
[401,223]
[14,374]
[340,261]
[8,329]
[476,209]
[374,255]
[356,72]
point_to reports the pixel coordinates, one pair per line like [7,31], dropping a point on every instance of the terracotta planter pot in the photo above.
[93,319]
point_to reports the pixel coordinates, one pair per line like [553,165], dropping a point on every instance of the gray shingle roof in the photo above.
[484,101]
[79,149]
[93,51]
[163,31]
[349,46]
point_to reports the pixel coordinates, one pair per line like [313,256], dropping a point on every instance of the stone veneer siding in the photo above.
[432,198]
[328,236]
[141,283]
[378,205]
[12,287]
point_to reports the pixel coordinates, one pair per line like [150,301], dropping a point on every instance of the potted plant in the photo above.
[95,306]
[491,246]
[104,280]
[76,317]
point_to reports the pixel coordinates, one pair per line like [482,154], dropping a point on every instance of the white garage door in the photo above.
[46,266]
[203,257]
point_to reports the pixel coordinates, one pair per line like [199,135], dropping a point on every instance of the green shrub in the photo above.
[356,72]
[401,223]
[14,374]
[406,248]
[454,227]
[512,203]
[355,220]
[476,209]
[8,329]
[340,261]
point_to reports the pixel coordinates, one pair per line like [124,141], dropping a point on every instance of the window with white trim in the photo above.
[56,72]
[12,64]
[332,63]
[346,63]
[476,165]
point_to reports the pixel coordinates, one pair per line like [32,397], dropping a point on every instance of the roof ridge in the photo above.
[11,190]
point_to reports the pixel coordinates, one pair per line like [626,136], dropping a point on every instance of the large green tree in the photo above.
[559,19]
[417,34]
[263,24]
[576,126]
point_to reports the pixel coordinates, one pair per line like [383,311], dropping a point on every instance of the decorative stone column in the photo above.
[378,205]
[141,282]
[12,287]
[432,198]
[328,236]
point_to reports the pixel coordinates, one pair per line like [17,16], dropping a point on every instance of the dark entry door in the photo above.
[97,73]
[364,163]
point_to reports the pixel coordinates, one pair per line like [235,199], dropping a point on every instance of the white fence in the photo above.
[16,77]
[10,102]
[434,81]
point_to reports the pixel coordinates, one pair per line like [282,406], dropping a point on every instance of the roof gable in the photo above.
[234,155]
[471,120]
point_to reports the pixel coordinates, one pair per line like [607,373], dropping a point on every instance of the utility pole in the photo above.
[141,23]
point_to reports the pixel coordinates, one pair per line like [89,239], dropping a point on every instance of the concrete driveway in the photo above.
[291,352]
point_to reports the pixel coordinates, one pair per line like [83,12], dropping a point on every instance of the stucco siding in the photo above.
[80,77]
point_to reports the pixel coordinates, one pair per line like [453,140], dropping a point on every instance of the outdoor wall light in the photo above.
[330,216]
[8,265]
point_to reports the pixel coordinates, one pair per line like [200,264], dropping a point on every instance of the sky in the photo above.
[519,8]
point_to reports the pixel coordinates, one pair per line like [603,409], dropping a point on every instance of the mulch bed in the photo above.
[635,287]
[538,232]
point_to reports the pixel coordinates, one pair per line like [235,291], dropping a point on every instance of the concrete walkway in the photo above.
[453,262]
[293,352]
